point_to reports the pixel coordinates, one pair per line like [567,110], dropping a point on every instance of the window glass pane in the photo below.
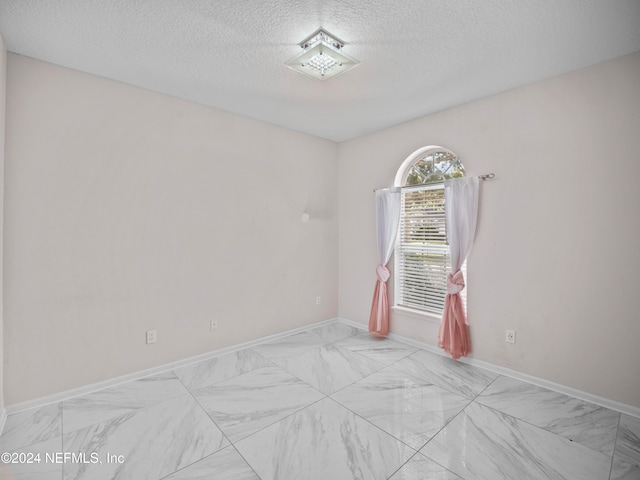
[422,253]
[435,166]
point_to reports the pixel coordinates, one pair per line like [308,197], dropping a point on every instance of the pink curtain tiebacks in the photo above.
[379,318]
[454,335]
[455,283]
[383,273]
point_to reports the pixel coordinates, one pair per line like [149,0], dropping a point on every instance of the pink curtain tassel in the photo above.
[461,212]
[379,318]
[454,335]
[387,217]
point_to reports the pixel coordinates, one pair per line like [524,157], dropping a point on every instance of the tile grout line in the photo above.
[246,461]
[329,397]
[615,446]
[475,399]
[526,422]
[453,418]
[206,413]
[51,399]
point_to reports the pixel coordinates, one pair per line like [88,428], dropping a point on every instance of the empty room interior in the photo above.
[320,239]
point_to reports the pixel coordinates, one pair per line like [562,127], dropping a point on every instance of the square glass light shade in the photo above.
[320,59]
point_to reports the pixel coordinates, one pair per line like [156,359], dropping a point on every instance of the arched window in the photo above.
[422,254]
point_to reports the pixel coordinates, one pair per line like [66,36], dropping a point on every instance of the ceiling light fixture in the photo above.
[322,57]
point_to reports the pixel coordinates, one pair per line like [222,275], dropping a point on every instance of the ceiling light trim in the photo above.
[322,57]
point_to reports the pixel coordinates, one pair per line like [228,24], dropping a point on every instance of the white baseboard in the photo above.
[556,387]
[76,392]
[84,390]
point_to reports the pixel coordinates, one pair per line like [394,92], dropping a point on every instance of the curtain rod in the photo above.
[486,176]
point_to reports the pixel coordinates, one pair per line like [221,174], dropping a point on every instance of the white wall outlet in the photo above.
[510,336]
[318,300]
[152,336]
[214,325]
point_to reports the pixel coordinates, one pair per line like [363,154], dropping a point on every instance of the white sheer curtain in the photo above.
[387,218]
[461,212]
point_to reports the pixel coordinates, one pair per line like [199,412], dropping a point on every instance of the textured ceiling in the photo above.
[418,56]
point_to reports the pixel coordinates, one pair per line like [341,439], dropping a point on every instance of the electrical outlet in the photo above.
[214,325]
[510,336]
[152,336]
[318,300]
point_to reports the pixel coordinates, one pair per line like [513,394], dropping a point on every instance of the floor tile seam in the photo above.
[451,390]
[373,359]
[476,400]
[404,464]
[622,457]
[261,356]
[439,464]
[481,392]
[442,466]
[575,402]
[212,420]
[246,461]
[636,434]
[443,427]
[615,447]
[187,393]
[120,385]
[374,425]
[414,448]
[296,377]
[291,355]
[32,444]
[160,369]
[402,358]
[619,414]
[234,377]
[214,423]
[356,381]
[365,359]
[547,429]
[444,387]
[230,446]
[234,442]
[191,389]
[419,379]
[342,388]
[132,411]
[537,427]
[187,466]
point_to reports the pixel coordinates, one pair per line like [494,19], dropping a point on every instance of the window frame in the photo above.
[400,181]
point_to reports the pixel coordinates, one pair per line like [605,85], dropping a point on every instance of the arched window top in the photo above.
[430,164]
[422,257]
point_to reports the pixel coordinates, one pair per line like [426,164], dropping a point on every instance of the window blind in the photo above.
[422,253]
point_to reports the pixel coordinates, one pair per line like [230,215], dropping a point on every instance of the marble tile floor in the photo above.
[331,403]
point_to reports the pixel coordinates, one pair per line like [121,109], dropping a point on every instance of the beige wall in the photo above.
[3,89]
[127,211]
[556,253]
